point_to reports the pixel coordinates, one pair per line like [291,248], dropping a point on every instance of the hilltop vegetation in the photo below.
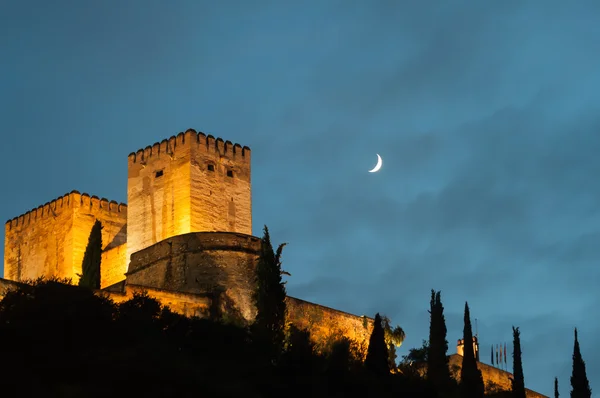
[61,340]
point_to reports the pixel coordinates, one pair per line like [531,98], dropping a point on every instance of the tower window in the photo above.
[211,167]
[159,173]
[229,173]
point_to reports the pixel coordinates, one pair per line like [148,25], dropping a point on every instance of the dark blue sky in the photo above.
[486,115]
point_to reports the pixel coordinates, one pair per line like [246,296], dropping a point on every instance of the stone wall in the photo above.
[113,266]
[171,191]
[325,323]
[86,210]
[185,304]
[51,239]
[221,198]
[495,379]
[218,263]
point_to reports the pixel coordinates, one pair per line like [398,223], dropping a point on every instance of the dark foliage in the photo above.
[580,387]
[518,381]
[556,387]
[377,353]
[90,267]
[394,337]
[471,385]
[417,354]
[438,371]
[66,341]
[269,297]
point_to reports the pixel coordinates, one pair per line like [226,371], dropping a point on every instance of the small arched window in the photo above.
[211,167]
[229,173]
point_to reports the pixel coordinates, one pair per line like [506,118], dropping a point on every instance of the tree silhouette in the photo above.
[471,381]
[90,267]
[518,381]
[377,353]
[438,371]
[394,337]
[579,381]
[555,387]
[269,296]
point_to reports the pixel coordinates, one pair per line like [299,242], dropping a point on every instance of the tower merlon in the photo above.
[184,141]
[67,200]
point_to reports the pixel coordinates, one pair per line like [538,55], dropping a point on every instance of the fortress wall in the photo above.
[158,192]
[86,210]
[38,243]
[220,202]
[495,379]
[218,263]
[185,304]
[324,322]
[113,266]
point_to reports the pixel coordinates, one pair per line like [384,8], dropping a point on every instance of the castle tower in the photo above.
[188,183]
[460,347]
[51,239]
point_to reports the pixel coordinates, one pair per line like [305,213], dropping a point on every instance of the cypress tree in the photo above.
[471,381]
[269,296]
[579,381]
[437,361]
[556,387]
[518,382]
[377,353]
[90,267]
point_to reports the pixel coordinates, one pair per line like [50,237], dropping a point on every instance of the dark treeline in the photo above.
[61,340]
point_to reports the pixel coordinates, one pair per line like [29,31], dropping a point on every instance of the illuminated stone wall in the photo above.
[180,185]
[185,304]
[220,186]
[220,263]
[495,379]
[51,239]
[326,323]
[113,265]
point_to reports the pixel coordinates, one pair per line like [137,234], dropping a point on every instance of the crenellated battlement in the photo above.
[67,200]
[183,141]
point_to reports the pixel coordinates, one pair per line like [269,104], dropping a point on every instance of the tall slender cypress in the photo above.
[269,296]
[438,371]
[377,360]
[518,383]
[90,267]
[556,387]
[579,381]
[471,381]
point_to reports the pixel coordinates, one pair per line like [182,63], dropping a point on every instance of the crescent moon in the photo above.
[378,165]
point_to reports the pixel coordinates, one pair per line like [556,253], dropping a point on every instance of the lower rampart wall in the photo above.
[495,379]
[185,304]
[327,324]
